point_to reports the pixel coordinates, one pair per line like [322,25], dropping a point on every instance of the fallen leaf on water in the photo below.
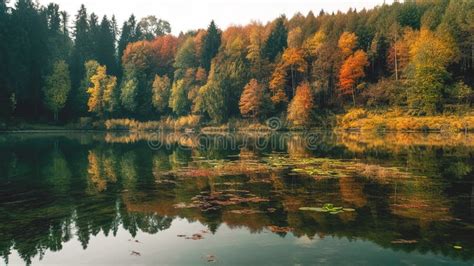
[211,258]
[135,253]
[195,237]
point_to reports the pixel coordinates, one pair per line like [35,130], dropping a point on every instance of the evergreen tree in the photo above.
[4,93]
[59,43]
[94,35]
[128,34]
[211,44]
[106,46]
[28,55]
[277,41]
[81,52]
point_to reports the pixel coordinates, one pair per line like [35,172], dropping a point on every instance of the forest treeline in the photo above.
[416,55]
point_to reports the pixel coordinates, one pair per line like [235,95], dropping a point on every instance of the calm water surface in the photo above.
[148,199]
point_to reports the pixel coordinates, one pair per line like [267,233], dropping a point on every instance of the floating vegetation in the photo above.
[457,247]
[404,241]
[280,229]
[212,201]
[135,253]
[196,236]
[328,207]
[245,211]
[211,258]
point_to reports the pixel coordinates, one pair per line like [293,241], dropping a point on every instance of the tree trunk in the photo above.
[292,81]
[353,97]
[396,62]
[55,116]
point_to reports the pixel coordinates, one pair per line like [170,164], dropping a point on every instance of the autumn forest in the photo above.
[415,56]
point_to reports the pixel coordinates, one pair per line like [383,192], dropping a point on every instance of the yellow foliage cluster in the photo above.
[359,119]
[190,121]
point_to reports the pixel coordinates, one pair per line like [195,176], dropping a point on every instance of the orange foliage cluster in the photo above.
[299,111]
[292,62]
[351,71]
[159,52]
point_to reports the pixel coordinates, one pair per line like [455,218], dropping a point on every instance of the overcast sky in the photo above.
[187,14]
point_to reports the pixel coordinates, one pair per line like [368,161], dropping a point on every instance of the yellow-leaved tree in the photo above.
[102,94]
[347,43]
[430,55]
[301,107]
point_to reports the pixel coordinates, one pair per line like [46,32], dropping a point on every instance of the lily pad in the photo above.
[311,209]
[328,207]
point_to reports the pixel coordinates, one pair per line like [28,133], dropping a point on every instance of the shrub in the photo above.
[190,121]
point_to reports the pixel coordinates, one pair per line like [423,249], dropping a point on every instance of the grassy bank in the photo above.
[397,121]
[356,119]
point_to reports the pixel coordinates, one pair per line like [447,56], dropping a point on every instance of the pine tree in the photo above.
[106,46]
[128,35]
[28,54]
[277,41]
[94,35]
[81,52]
[212,42]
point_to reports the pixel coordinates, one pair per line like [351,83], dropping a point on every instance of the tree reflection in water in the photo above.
[415,187]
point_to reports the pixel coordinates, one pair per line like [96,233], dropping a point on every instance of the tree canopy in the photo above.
[415,55]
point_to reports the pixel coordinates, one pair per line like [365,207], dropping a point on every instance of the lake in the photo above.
[236,199]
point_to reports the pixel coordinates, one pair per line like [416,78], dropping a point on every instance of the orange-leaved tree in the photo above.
[351,72]
[255,101]
[291,66]
[301,107]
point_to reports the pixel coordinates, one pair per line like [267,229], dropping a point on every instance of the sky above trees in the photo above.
[185,15]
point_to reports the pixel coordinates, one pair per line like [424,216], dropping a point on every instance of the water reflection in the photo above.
[411,193]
